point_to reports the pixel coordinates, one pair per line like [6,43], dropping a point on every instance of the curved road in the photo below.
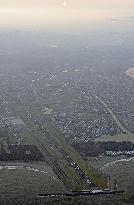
[119,124]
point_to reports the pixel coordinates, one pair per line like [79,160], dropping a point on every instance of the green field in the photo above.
[120,169]
[23,184]
[91,200]
[116,138]
[123,172]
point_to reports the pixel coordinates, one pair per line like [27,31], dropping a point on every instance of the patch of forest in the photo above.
[21,152]
[94,149]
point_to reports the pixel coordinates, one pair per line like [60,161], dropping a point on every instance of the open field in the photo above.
[116,138]
[120,169]
[123,172]
[91,200]
[24,183]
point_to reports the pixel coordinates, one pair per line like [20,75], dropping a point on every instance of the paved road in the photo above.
[119,124]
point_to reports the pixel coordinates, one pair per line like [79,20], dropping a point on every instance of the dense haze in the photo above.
[78,63]
[58,13]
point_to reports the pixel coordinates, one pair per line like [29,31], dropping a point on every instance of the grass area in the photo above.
[99,162]
[91,200]
[22,184]
[116,138]
[120,169]
[123,172]
[26,137]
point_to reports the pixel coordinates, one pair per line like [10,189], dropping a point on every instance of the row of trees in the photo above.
[94,149]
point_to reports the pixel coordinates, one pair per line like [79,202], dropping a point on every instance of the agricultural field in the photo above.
[23,181]
[120,169]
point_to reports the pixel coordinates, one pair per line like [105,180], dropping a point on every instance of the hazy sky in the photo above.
[51,13]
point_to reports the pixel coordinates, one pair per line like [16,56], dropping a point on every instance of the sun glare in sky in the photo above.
[58,12]
[64,3]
